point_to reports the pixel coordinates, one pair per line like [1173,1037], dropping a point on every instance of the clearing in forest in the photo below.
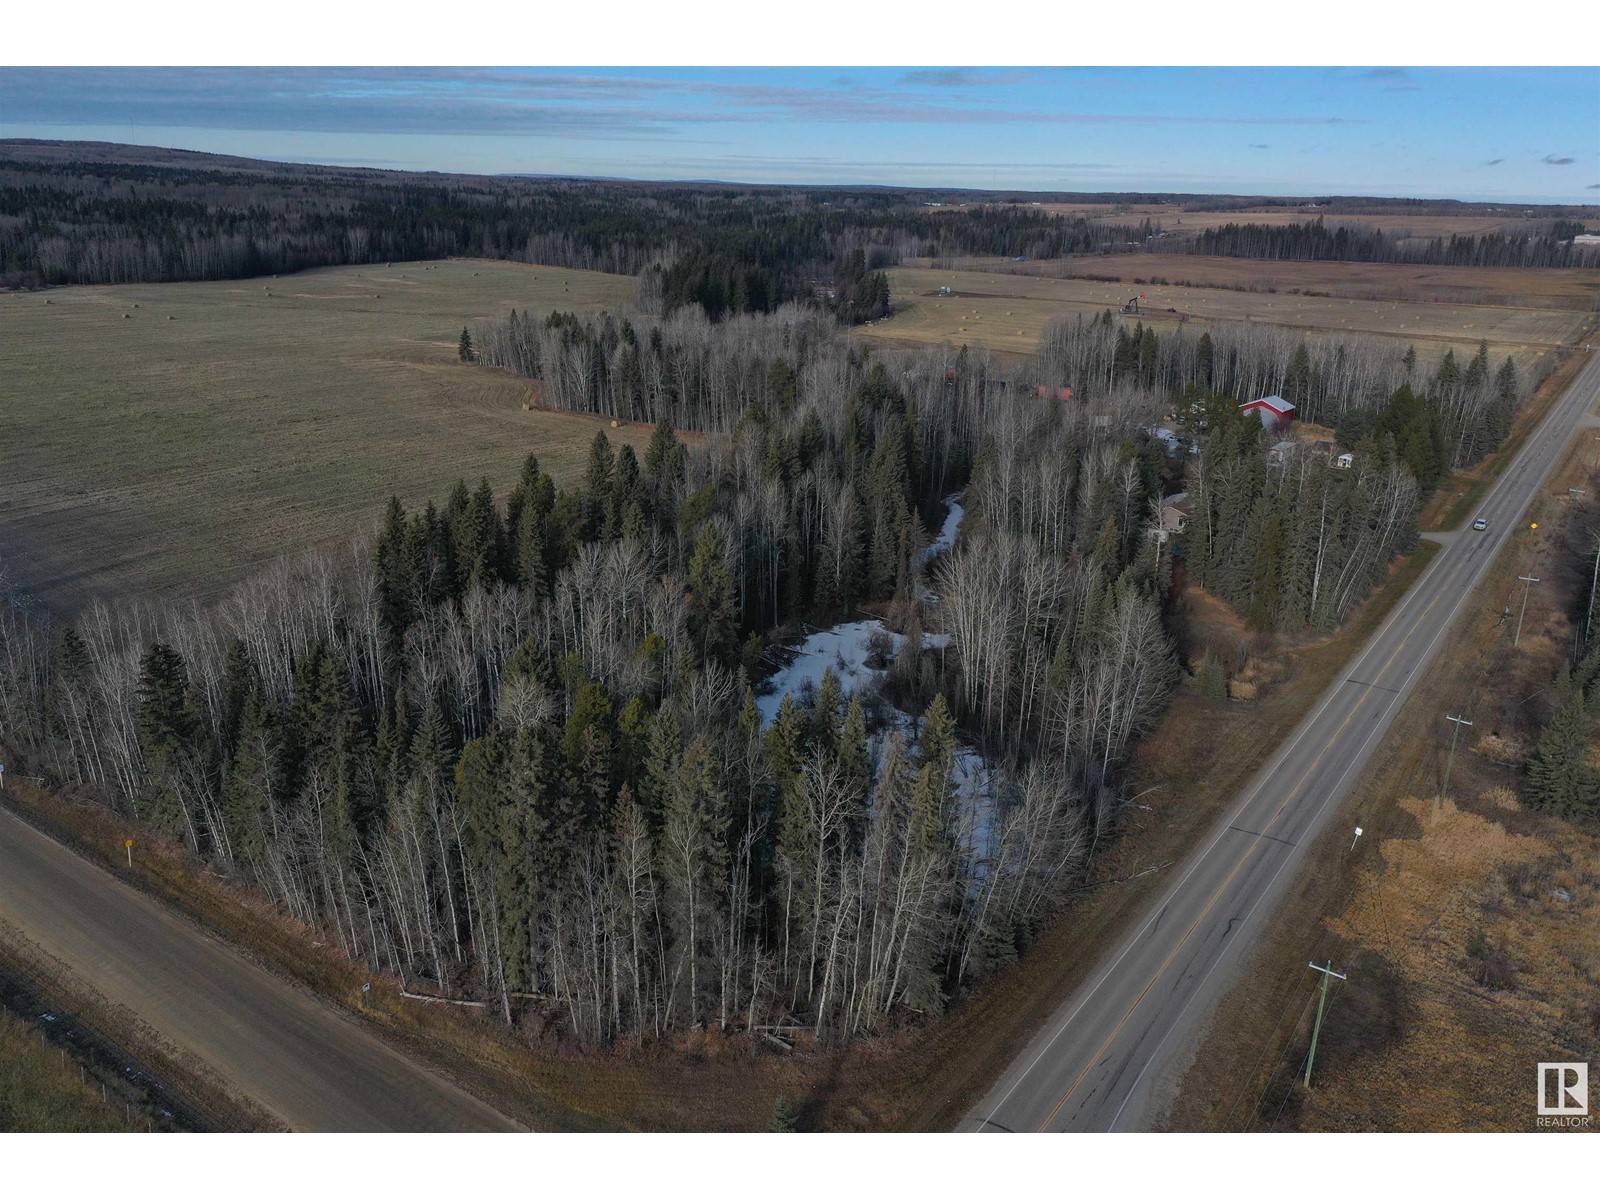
[171,437]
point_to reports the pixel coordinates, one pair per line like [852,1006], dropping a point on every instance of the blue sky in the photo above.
[1529,134]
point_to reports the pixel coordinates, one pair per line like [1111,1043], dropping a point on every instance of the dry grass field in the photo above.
[1519,287]
[1008,313]
[171,437]
[1400,224]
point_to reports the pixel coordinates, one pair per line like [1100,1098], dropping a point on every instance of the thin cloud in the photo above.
[959,77]
[1392,79]
[1558,160]
[496,101]
[1259,146]
[1494,162]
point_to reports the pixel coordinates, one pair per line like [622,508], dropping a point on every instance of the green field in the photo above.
[170,438]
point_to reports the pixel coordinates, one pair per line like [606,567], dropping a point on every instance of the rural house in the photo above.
[1275,412]
[1176,510]
[1282,452]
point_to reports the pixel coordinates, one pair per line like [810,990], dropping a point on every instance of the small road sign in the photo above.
[128,846]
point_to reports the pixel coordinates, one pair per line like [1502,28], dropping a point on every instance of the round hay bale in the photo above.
[126,316]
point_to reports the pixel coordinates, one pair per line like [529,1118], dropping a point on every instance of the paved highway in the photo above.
[309,1065]
[1111,1055]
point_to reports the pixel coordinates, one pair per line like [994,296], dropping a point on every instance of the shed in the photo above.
[1282,451]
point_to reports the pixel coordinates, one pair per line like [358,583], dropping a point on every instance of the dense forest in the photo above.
[729,249]
[101,214]
[513,748]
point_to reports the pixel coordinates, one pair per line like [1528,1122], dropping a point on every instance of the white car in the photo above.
[1480,523]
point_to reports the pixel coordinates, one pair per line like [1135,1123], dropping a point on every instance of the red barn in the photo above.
[1275,412]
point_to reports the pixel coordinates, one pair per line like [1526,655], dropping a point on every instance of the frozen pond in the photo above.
[955,513]
[847,650]
[843,649]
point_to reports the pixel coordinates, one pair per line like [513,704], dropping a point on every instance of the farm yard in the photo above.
[173,437]
[1574,288]
[1008,313]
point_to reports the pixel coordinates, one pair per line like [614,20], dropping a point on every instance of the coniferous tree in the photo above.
[712,607]
[1560,780]
[167,727]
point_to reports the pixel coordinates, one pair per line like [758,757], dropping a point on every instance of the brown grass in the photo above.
[1010,312]
[41,1093]
[1398,224]
[129,1075]
[149,456]
[1521,287]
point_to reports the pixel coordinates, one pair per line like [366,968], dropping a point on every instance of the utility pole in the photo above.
[1322,1003]
[1451,761]
[1527,582]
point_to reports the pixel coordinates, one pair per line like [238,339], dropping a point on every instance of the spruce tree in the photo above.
[167,727]
[712,615]
[1559,778]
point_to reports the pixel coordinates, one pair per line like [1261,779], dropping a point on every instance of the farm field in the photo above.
[1399,223]
[166,438]
[1573,288]
[1008,313]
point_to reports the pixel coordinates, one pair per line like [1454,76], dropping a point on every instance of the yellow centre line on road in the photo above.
[1232,875]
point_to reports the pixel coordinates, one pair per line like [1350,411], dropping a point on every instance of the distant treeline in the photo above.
[1316,241]
[728,249]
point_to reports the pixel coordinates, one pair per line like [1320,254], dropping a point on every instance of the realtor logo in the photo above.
[1563,1090]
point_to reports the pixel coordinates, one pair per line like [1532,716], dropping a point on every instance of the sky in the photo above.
[1518,134]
